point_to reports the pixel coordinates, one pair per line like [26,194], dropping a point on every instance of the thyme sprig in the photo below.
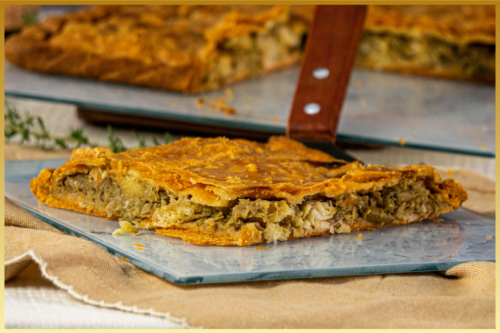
[30,128]
[29,18]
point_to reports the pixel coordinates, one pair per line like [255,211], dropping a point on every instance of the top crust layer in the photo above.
[457,24]
[215,171]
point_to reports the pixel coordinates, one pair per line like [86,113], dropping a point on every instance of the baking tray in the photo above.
[417,247]
[380,108]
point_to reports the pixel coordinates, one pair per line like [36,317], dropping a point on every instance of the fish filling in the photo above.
[470,59]
[135,200]
[257,53]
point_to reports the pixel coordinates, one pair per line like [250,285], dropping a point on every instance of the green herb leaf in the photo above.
[142,141]
[29,18]
[25,135]
[33,127]
[77,135]
[168,138]
[41,124]
[61,143]
[115,143]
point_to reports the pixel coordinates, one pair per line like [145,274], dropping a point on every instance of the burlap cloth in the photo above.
[462,297]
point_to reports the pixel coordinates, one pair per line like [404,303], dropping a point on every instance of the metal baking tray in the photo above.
[380,108]
[416,247]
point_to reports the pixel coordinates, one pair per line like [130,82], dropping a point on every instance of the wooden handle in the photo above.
[329,57]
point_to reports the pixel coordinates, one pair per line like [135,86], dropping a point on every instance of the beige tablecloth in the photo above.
[462,297]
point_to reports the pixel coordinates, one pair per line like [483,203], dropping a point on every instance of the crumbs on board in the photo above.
[218,104]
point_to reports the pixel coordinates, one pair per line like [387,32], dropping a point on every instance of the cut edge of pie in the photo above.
[454,42]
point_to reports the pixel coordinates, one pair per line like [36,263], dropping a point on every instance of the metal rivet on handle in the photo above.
[321,73]
[312,108]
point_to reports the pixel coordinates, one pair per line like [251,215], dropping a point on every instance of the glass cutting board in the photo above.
[416,247]
[380,108]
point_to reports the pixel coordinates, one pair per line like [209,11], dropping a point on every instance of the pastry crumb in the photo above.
[139,244]
[438,220]
[489,237]
[126,228]
[140,248]
[200,102]
[261,248]
[276,120]
[448,172]
[229,93]
[124,259]
[220,104]
[360,236]
[484,147]
[362,101]
[468,223]
[229,111]
[402,141]
[217,103]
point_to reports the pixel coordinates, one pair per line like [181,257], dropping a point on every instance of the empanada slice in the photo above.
[238,192]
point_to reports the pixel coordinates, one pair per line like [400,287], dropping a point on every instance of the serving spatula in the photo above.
[327,64]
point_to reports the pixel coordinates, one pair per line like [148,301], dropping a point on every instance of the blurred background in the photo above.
[422,90]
